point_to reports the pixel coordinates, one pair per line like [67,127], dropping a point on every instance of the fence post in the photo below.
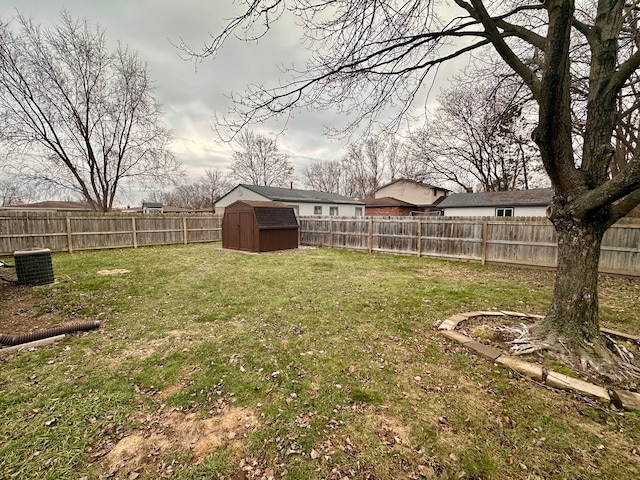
[185,232]
[134,235]
[69,236]
[370,240]
[419,240]
[330,232]
[485,227]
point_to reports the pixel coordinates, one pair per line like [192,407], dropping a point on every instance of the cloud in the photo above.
[191,96]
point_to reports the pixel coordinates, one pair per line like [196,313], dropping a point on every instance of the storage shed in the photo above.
[258,226]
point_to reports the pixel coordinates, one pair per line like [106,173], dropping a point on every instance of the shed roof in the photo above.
[532,197]
[271,215]
[303,196]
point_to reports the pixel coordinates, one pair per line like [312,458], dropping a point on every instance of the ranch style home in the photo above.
[305,203]
[517,203]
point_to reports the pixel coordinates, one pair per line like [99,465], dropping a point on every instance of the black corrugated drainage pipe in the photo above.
[48,332]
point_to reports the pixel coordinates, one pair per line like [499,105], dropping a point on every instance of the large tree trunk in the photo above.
[571,328]
[573,315]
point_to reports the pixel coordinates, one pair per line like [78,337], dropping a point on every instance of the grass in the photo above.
[333,354]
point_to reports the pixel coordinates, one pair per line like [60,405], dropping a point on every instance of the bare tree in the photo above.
[257,161]
[214,184]
[366,166]
[202,194]
[387,48]
[479,138]
[83,116]
[329,176]
[13,192]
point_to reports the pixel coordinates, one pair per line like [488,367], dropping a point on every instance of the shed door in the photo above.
[232,230]
[245,230]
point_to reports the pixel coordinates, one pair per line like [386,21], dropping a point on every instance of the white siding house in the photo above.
[304,202]
[517,203]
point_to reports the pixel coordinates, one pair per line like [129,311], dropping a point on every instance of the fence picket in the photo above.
[527,241]
[517,241]
[69,232]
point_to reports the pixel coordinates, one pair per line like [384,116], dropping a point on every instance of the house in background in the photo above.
[387,207]
[304,202]
[149,208]
[152,207]
[517,203]
[405,197]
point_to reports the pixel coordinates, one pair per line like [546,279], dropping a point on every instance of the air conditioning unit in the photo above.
[33,267]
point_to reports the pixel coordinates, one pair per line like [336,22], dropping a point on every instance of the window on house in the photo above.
[504,212]
[358,211]
[333,211]
[317,210]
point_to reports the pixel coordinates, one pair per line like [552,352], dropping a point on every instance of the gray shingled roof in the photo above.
[303,196]
[532,197]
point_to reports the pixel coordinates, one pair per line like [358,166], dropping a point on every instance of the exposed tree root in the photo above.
[604,358]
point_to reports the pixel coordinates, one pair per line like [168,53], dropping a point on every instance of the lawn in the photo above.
[309,364]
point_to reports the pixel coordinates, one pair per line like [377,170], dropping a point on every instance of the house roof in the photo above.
[421,184]
[53,205]
[386,202]
[302,196]
[262,203]
[532,197]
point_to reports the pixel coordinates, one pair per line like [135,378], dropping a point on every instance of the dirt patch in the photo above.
[393,432]
[20,312]
[175,430]
[176,339]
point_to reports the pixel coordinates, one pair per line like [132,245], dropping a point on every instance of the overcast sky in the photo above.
[191,98]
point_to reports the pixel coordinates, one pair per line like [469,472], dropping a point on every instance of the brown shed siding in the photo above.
[259,226]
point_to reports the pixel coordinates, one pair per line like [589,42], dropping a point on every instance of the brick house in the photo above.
[404,197]
[387,207]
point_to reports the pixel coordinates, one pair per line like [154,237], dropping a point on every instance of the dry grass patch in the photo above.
[173,430]
[113,271]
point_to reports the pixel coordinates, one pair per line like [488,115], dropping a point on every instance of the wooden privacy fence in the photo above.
[519,241]
[73,232]
[527,241]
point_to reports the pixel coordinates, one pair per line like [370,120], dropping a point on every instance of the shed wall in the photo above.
[272,240]
[242,230]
